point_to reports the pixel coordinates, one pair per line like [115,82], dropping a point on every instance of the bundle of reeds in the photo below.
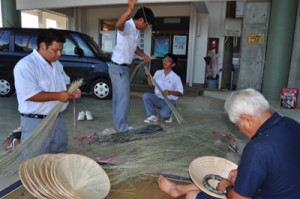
[11,160]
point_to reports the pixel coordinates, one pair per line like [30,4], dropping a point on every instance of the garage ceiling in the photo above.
[42,4]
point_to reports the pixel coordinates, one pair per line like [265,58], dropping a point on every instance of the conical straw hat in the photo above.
[45,172]
[201,169]
[32,177]
[25,181]
[80,177]
[42,163]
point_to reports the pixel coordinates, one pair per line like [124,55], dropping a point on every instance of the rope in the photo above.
[74,113]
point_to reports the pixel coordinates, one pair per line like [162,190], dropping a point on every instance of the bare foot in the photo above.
[168,187]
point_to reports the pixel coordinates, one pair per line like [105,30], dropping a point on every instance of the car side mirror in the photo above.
[78,51]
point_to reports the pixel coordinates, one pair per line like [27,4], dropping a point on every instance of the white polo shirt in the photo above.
[170,82]
[33,75]
[127,42]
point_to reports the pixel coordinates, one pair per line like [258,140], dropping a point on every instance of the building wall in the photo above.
[255,21]
[93,15]
[86,20]
[252,60]
[197,69]
[216,12]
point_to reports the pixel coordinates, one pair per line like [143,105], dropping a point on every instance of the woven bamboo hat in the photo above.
[207,171]
[44,172]
[25,180]
[80,177]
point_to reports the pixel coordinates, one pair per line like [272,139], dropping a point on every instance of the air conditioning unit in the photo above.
[232,27]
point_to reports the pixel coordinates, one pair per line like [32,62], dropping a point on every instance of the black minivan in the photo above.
[81,58]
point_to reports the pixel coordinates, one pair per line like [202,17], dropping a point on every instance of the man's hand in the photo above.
[232,176]
[228,182]
[65,96]
[132,2]
[146,58]
[76,94]
[147,72]
[223,184]
[167,92]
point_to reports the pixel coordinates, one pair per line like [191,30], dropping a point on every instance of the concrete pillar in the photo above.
[294,76]
[11,17]
[228,50]
[253,53]
[279,47]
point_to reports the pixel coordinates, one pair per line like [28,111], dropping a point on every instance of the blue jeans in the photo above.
[57,139]
[152,102]
[120,80]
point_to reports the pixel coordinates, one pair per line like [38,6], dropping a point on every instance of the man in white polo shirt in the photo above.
[40,83]
[171,86]
[128,37]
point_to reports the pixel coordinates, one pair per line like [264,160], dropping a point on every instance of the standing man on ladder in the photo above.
[128,37]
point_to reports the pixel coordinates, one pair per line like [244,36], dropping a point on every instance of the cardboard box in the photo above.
[288,98]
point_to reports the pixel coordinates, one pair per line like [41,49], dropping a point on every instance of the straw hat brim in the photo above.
[27,181]
[80,177]
[203,166]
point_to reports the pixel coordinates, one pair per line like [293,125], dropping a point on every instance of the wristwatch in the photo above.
[227,189]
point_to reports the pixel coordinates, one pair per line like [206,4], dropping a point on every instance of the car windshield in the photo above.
[95,46]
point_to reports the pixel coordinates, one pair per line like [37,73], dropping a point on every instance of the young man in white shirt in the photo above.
[171,86]
[40,83]
[128,37]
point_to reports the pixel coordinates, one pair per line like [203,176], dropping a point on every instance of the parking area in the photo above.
[204,134]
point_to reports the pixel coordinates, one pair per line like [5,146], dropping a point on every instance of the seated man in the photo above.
[269,165]
[171,86]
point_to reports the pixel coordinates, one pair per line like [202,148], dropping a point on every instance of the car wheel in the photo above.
[7,87]
[101,89]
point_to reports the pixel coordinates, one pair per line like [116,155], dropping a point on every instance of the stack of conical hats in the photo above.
[64,176]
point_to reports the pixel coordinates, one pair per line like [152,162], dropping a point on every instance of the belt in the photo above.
[35,116]
[127,65]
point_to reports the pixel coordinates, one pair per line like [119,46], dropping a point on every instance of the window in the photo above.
[99,52]
[42,19]
[4,40]
[107,34]
[83,45]
[108,24]
[69,47]
[25,43]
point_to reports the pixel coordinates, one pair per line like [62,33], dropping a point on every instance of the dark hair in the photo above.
[172,56]
[49,36]
[146,14]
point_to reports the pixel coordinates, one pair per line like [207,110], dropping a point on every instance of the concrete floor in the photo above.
[206,109]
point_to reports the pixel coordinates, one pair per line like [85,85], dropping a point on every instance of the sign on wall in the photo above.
[161,46]
[254,39]
[179,44]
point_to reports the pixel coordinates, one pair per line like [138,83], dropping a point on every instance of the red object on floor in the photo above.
[288,98]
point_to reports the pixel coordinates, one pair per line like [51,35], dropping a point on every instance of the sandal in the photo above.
[12,140]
